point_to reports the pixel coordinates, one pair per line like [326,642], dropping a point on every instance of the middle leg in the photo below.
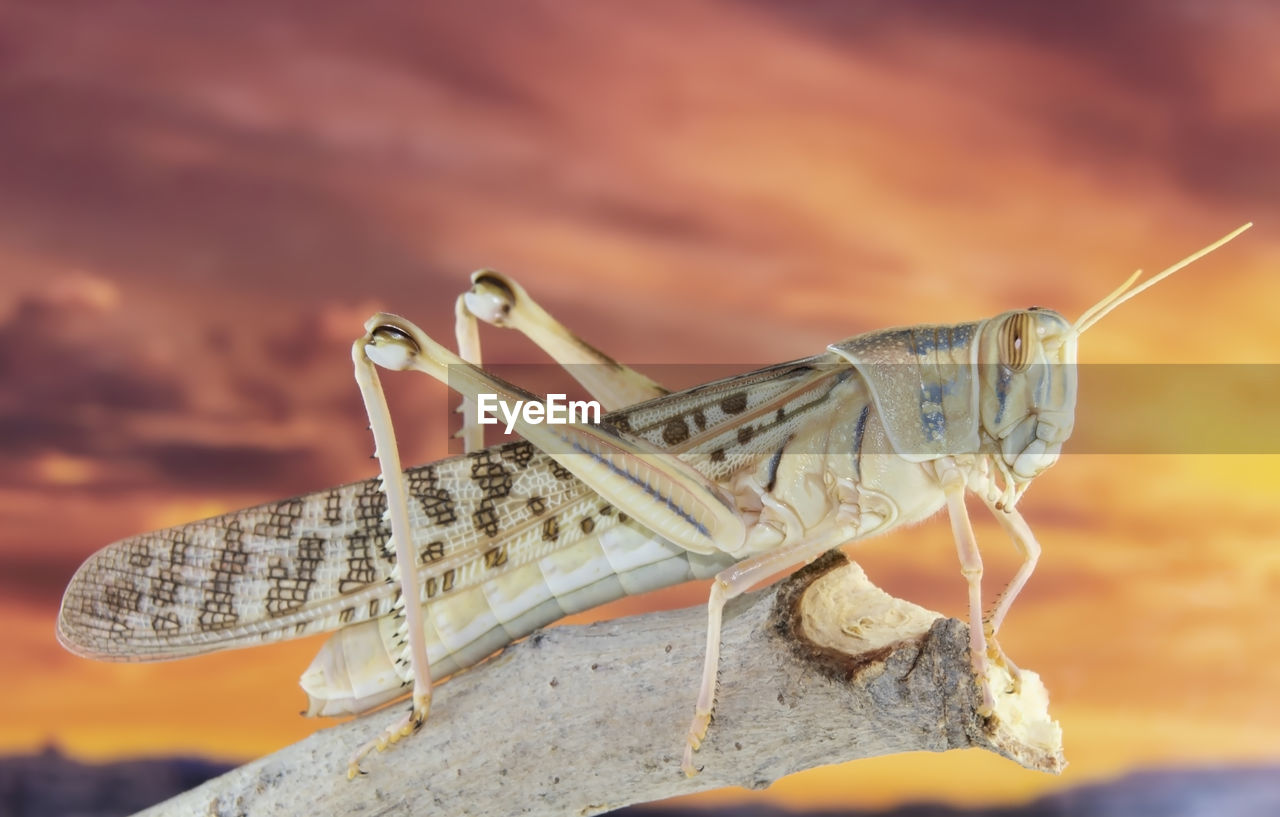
[733,582]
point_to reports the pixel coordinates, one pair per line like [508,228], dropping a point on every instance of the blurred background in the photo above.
[201,203]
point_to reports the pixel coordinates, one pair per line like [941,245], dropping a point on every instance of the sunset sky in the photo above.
[201,203]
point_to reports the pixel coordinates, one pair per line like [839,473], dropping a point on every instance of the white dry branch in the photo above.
[821,668]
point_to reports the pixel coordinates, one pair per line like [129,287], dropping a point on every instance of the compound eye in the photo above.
[1015,342]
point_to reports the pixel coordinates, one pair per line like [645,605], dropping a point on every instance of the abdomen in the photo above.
[366,665]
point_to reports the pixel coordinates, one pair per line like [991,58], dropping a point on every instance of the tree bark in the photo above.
[821,668]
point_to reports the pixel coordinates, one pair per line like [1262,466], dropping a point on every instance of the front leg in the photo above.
[953,485]
[1020,532]
[1025,541]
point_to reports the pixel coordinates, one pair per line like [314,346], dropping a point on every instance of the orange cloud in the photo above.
[196,214]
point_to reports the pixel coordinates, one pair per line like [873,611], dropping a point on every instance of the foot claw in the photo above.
[697,731]
[686,763]
[392,734]
[996,653]
[988,706]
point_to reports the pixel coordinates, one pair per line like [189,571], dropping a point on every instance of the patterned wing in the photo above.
[303,565]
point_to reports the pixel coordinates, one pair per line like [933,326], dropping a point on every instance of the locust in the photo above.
[427,571]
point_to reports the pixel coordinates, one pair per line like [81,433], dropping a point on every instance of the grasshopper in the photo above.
[426,571]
